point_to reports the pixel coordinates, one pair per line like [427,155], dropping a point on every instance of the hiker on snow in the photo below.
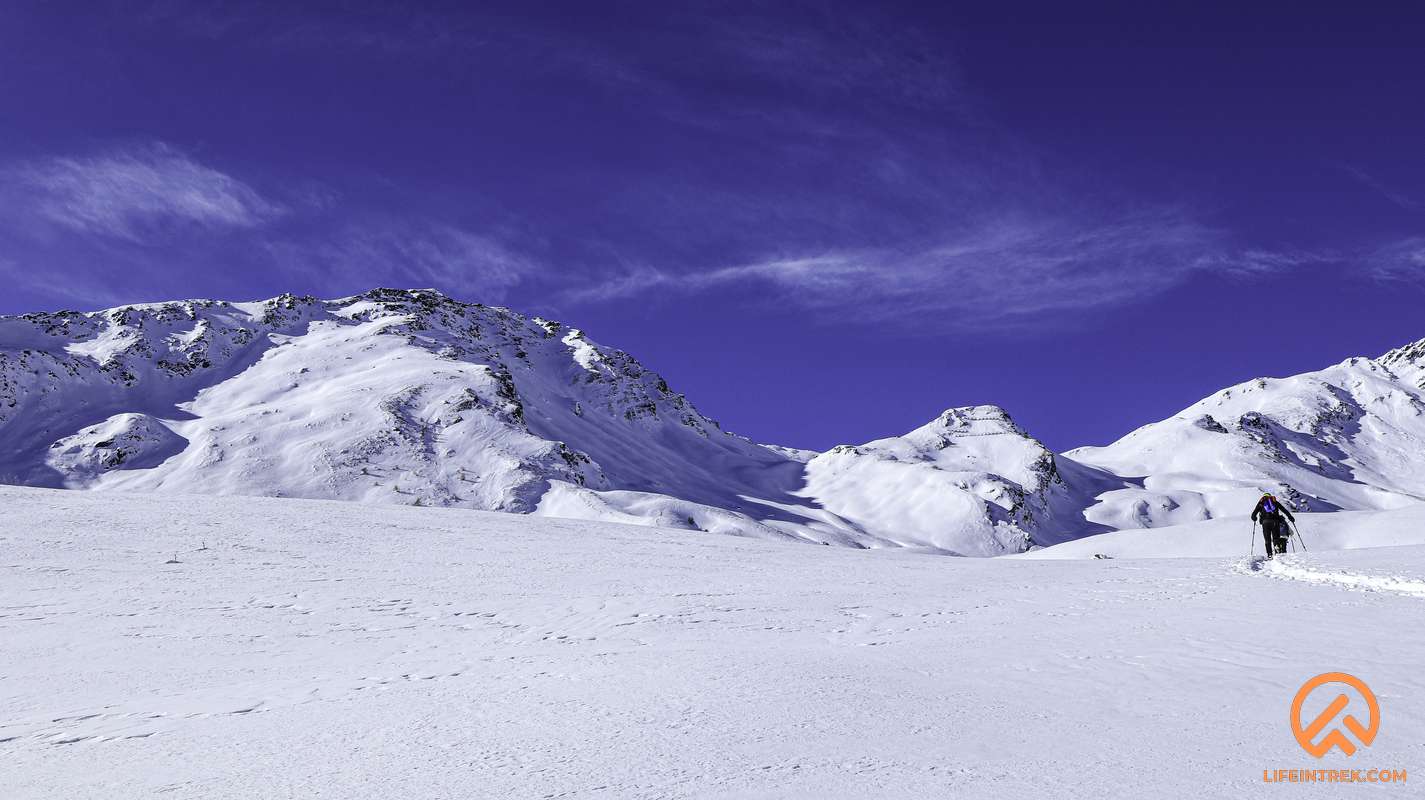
[1269,512]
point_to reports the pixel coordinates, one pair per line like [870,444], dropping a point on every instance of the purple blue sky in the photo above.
[823,222]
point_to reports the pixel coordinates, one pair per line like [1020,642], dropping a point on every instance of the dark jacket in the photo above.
[1272,516]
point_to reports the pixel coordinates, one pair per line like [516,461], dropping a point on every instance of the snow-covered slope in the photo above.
[390,396]
[316,649]
[1236,537]
[412,397]
[971,482]
[1351,436]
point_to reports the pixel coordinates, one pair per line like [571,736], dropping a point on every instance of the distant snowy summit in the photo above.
[409,396]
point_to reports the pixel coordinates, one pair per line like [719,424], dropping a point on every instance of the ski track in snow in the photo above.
[1300,568]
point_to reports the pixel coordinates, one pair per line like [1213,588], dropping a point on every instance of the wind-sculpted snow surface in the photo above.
[220,647]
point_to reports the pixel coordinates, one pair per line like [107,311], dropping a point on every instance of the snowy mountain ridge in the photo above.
[1348,437]
[422,369]
[412,397]
[1408,363]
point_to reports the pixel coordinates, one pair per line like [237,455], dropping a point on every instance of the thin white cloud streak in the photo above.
[402,253]
[1370,182]
[1003,275]
[136,194]
[1402,260]
[156,207]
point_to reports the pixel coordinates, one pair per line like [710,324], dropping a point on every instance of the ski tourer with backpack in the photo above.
[1273,515]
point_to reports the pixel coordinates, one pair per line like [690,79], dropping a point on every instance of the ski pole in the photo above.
[1252,544]
[1302,541]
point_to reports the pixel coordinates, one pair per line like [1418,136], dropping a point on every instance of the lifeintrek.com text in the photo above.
[1333,776]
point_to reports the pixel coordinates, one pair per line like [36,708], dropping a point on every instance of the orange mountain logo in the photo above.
[1307,732]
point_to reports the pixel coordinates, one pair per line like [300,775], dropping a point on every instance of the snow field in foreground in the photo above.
[306,648]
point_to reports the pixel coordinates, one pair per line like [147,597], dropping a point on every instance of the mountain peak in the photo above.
[1413,351]
[1407,361]
[981,419]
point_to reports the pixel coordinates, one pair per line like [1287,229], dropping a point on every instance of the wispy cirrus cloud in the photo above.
[1401,260]
[143,216]
[135,194]
[1396,198]
[822,161]
[1003,274]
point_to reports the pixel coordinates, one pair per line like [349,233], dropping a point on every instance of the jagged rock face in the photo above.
[1408,363]
[64,371]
